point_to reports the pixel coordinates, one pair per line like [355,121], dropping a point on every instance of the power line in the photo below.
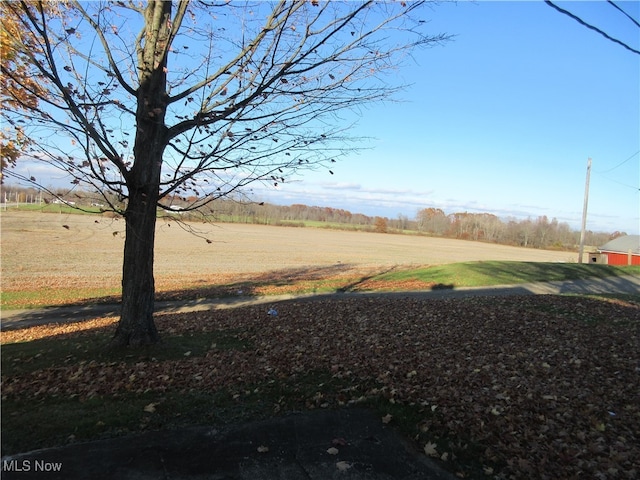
[624,13]
[592,27]
[623,184]
[620,164]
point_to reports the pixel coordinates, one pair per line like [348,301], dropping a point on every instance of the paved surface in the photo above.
[295,447]
[15,319]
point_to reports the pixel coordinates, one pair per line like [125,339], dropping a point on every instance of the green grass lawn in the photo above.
[59,208]
[478,274]
[46,297]
[455,275]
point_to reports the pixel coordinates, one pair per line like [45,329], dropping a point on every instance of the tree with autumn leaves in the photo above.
[14,40]
[197,99]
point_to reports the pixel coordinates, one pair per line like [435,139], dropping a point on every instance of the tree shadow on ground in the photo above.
[443,286]
[353,286]
[339,277]
[528,272]
[325,278]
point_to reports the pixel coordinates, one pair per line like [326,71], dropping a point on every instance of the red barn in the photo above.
[620,251]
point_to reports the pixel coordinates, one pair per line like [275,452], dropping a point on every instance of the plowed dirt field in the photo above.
[85,251]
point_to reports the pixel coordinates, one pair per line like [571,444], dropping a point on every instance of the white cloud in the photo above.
[341,186]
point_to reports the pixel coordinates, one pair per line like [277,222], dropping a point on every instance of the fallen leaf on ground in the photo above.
[430,449]
[542,415]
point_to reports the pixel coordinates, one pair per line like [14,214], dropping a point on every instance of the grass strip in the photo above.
[486,273]
[465,274]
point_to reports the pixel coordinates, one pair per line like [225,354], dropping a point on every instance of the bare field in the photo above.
[61,250]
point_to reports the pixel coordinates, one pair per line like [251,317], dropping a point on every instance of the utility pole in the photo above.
[584,212]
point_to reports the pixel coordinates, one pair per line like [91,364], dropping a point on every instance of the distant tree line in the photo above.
[534,233]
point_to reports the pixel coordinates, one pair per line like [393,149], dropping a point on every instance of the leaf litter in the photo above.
[532,386]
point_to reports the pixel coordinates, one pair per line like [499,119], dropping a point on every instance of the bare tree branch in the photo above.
[191,101]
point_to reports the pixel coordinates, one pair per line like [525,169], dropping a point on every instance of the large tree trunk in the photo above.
[136,326]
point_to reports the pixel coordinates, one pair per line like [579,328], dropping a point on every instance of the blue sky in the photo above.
[502,120]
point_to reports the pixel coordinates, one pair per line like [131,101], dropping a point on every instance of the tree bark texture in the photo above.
[136,326]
